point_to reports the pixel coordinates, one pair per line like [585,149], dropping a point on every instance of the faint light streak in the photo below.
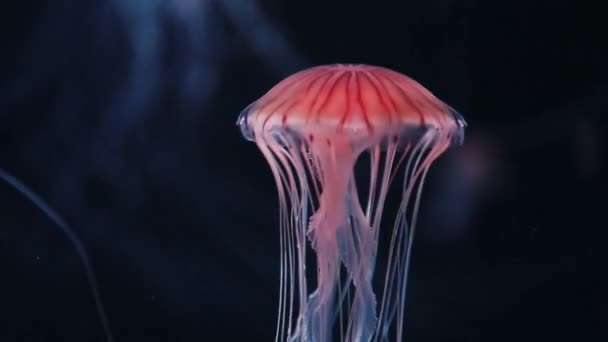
[267,41]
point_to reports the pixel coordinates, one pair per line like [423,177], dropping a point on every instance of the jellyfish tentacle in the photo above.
[279,178]
[389,158]
[375,156]
[394,277]
[435,146]
[74,240]
[412,185]
[276,149]
[358,253]
[333,164]
[319,313]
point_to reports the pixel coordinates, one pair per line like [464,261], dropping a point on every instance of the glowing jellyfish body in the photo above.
[312,127]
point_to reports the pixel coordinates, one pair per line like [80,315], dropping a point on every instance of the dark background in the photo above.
[121,114]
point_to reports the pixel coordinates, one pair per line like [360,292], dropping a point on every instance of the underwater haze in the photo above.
[121,115]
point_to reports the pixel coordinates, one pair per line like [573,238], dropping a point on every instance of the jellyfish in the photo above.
[312,128]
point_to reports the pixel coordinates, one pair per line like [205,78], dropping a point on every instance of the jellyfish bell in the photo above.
[312,128]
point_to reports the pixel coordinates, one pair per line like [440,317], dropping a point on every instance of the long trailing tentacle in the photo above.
[401,231]
[285,254]
[296,176]
[302,175]
[80,249]
[419,158]
[421,170]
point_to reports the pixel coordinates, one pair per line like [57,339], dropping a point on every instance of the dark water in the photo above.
[121,114]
